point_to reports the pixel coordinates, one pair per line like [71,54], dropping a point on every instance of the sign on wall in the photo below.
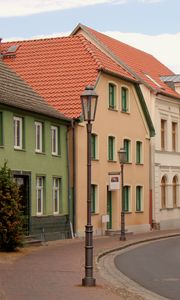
[114,181]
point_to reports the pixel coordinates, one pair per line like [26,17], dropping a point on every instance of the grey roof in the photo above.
[171,78]
[15,92]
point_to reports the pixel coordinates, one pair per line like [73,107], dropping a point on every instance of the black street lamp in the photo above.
[89,103]
[122,161]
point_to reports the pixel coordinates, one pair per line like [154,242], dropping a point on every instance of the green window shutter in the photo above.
[126,198]
[126,147]
[138,152]
[111,96]
[93,146]
[111,148]
[93,198]
[124,99]
[138,198]
[1,129]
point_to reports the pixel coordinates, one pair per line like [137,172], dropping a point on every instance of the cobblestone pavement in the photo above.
[55,271]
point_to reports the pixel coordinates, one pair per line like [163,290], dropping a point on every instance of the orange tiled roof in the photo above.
[60,68]
[147,68]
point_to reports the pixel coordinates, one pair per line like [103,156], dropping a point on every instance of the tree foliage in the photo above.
[11,219]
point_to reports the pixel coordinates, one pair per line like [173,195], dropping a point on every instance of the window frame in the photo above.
[175,191]
[38,137]
[94,199]
[127,147]
[18,132]
[111,148]
[55,129]
[112,95]
[139,153]
[94,146]
[139,198]
[40,188]
[174,136]
[56,189]
[163,134]
[164,192]
[124,99]
[126,199]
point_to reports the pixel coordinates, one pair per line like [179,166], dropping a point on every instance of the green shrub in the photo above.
[11,219]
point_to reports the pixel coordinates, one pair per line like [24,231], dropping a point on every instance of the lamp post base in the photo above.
[122,238]
[88,281]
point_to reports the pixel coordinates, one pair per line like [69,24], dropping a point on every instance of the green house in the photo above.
[33,140]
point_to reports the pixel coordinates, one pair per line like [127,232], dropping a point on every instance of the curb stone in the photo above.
[125,287]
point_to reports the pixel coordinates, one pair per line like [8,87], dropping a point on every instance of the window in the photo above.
[126,198]
[163,191]
[18,132]
[93,198]
[175,181]
[1,129]
[174,136]
[39,194]
[124,99]
[112,96]
[138,152]
[127,144]
[94,146]
[111,148]
[56,194]
[138,198]
[39,136]
[163,134]
[54,140]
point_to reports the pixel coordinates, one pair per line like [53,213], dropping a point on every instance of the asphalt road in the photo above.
[155,266]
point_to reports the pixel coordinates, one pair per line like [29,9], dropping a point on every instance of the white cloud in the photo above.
[9,8]
[165,47]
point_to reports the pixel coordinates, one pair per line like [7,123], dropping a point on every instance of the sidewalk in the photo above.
[55,271]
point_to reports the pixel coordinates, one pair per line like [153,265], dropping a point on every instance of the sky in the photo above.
[150,25]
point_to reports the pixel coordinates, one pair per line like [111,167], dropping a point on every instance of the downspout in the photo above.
[68,170]
[74,175]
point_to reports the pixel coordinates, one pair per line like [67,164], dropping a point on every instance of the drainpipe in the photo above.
[68,170]
[74,174]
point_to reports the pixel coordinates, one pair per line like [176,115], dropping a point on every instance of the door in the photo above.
[23,183]
[109,209]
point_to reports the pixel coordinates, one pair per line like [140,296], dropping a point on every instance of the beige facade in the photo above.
[130,125]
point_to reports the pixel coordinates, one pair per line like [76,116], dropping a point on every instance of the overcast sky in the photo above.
[150,25]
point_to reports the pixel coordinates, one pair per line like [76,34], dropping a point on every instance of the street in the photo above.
[155,266]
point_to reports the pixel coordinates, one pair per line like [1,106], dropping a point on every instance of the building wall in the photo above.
[120,125]
[167,162]
[42,164]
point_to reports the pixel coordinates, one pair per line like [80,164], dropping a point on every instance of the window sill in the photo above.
[139,212]
[1,146]
[113,109]
[128,212]
[125,112]
[42,153]
[139,164]
[18,149]
[56,155]
[95,214]
[112,161]
[94,159]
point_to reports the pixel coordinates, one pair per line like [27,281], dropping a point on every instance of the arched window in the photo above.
[163,191]
[175,181]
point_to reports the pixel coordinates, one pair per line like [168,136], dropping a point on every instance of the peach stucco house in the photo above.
[59,69]
[161,91]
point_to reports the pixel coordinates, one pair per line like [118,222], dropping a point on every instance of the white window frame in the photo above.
[96,198]
[39,188]
[39,138]
[18,131]
[56,192]
[54,140]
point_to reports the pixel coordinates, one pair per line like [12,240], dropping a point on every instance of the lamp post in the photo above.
[89,103]
[122,160]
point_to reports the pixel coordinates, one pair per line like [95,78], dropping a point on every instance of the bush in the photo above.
[11,219]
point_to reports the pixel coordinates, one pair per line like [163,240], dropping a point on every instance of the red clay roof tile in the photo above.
[60,68]
[138,61]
